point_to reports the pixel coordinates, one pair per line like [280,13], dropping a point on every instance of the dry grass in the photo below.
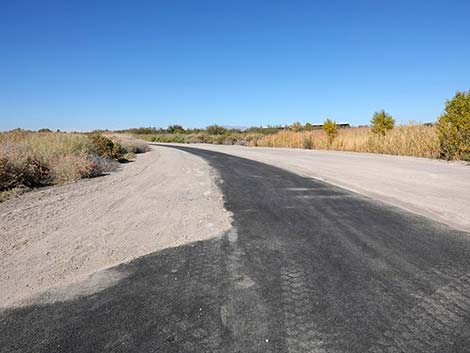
[406,140]
[30,159]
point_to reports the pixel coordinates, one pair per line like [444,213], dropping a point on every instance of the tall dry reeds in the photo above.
[407,140]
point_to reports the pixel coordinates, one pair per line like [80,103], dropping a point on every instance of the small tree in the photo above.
[382,122]
[175,129]
[331,129]
[454,128]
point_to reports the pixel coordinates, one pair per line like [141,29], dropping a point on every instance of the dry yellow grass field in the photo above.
[407,140]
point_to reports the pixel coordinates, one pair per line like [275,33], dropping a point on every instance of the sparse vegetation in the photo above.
[419,140]
[454,128]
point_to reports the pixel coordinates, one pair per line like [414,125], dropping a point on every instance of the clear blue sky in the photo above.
[80,65]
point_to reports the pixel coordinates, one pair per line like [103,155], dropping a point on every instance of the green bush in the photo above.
[105,147]
[454,128]
[175,129]
[331,129]
[381,123]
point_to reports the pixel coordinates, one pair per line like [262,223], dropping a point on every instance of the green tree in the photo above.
[454,128]
[331,129]
[382,122]
[175,129]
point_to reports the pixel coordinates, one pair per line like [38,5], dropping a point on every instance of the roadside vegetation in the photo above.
[448,138]
[31,159]
[419,140]
[454,128]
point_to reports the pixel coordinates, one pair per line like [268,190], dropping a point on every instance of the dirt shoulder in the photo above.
[60,235]
[433,188]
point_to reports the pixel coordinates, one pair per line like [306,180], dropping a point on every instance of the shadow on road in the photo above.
[307,267]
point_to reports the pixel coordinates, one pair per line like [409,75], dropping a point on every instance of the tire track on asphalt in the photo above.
[302,334]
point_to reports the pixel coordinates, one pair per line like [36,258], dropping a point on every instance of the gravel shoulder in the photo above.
[432,188]
[54,237]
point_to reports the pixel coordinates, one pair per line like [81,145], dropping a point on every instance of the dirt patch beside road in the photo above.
[61,235]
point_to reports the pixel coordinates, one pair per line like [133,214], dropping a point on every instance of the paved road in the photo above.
[307,267]
[433,188]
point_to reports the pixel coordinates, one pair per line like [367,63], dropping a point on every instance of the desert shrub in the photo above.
[216,130]
[102,145]
[197,138]
[381,123]
[30,159]
[217,139]
[230,140]
[454,128]
[18,168]
[105,147]
[141,131]
[252,138]
[102,165]
[72,168]
[331,129]
[177,138]
[130,144]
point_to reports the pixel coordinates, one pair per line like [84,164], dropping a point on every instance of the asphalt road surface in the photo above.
[307,267]
[430,187]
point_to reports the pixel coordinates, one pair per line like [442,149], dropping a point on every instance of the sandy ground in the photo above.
[52,238]
[433,188]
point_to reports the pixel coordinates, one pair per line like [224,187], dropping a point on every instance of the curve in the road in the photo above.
[307,267]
